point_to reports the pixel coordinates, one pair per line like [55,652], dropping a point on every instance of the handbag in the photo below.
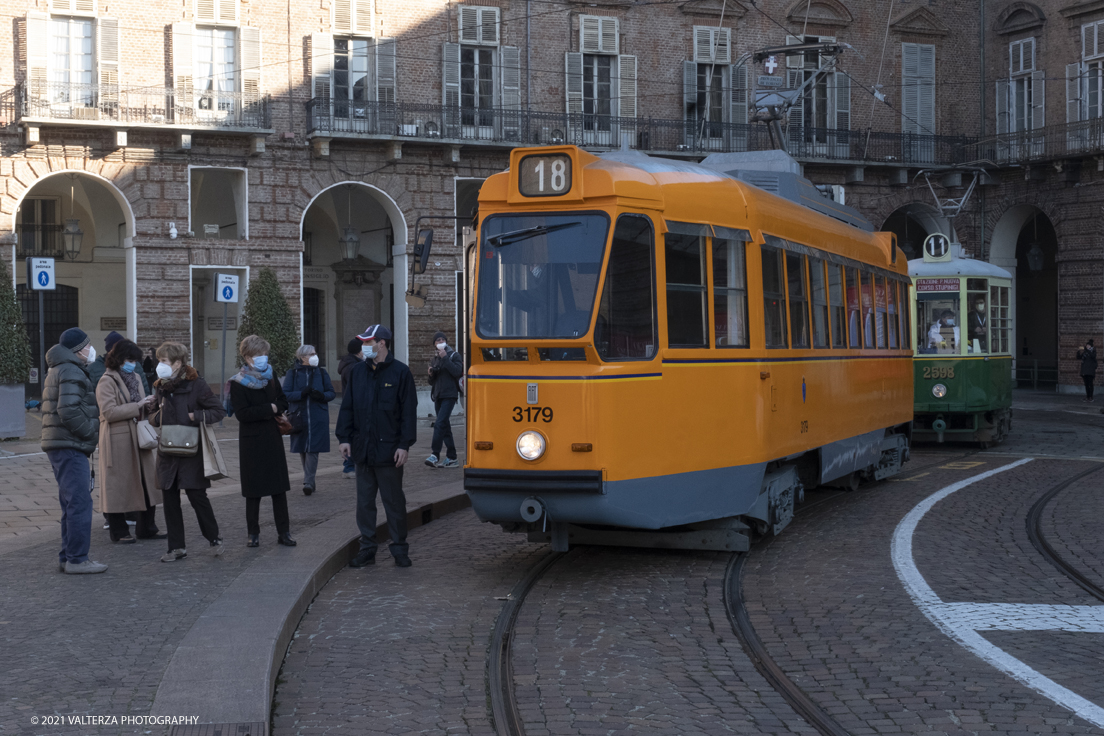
[214,466]
[178,440]
[147,436]
[297,419]
[284,425]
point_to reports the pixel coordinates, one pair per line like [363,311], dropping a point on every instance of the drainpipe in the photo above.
[528,56]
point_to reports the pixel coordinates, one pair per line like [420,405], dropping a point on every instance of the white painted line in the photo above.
[1024,617]
[26,454]
[956,627]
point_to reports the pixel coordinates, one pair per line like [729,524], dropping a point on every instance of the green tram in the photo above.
[963,358]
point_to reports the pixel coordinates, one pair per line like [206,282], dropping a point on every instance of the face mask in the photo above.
[950,323]
[91,354]
[260,362]
[313,360]
[443,346]
[164,370]
[980,307]
[129,366]
[368,351]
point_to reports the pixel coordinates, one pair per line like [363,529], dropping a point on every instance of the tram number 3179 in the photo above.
[533,414]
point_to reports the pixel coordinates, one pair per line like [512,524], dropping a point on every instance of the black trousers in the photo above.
[1089,380]
[174,516]
[279,514]
[387,479]
[146,524]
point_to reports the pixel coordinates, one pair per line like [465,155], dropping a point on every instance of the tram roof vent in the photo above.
[779,161]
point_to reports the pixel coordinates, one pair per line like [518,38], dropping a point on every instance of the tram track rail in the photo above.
[1039,541]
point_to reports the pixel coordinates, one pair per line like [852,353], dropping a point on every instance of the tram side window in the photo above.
[867,308]
[625,329]
[977,315]
[799,300]
[936,324]
[774,299]
[835,302]
[891,302]
[853,318]
[730,305]
[686,302]
[820,303]
[880,302]
[999,322]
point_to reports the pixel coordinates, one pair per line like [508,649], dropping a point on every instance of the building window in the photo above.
[477,85]
[38,227]
[710,106]
[825,106]
[70,62]
[350,77]
[597,91]
[215,70]
[918,89]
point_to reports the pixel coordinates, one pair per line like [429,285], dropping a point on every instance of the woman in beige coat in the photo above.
[127,474]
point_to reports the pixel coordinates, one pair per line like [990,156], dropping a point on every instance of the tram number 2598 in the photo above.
[938,372]
[533,414]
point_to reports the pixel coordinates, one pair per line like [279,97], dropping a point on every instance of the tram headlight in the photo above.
[530,445]
[939,390]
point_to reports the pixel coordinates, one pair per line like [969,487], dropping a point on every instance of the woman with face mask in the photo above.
[258,399]
[182,397]
[309,392]
[127,473]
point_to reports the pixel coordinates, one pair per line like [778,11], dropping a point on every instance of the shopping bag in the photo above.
[214,466]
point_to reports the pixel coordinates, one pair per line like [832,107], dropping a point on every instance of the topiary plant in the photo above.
[266,314]
[15,347]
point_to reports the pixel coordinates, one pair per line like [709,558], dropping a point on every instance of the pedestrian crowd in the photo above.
[151,416]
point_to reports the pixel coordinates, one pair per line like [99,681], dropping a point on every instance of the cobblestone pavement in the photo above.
[98,645]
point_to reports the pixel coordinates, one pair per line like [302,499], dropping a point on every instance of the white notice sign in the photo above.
[226,288]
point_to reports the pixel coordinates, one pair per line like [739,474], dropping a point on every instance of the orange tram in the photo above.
[667,353]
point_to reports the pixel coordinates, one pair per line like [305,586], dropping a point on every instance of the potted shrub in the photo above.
[15,360]
[266,314]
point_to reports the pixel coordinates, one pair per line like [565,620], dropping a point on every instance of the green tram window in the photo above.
[835,303]
[937,328]
[820,303]
[730,299]
[625,329]
[774,299]
[853,319]
[891,321]
[1000,322]
[977,315]
[686,298]
[798,292]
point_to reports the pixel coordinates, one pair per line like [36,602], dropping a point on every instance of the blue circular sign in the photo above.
[43,278]
[227,292]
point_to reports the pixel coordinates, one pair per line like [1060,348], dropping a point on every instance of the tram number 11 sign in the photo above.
[545,176]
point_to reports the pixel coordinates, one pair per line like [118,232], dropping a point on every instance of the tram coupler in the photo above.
[940,426]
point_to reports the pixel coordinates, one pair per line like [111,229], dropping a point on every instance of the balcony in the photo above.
[42,241]
[1051,143]
[505,129]
[135,107]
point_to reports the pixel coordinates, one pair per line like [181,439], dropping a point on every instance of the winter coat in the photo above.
[70,418]
[379,411]
[1088,361]
[123,466]
[444,375]
[264,470]
[344,366]
[298,383]
[190,396]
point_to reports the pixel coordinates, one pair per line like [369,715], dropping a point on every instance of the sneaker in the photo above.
[450,463]
[308,490]
[218,547]
[348,474]
[402,561]
[107,526]
[174,555]
[88,567]
[61,565]
[431,461]
[363,559]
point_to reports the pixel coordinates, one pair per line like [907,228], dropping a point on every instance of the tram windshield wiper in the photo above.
[530,232]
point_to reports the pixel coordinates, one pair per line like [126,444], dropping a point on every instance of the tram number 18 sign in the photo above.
[545,176]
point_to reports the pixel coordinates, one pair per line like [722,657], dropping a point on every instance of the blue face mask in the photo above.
[129,366]
[260,362]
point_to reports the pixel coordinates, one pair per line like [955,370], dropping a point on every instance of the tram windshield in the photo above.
[538,274]
[937,324]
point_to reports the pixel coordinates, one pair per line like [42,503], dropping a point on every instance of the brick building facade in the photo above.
[193,137]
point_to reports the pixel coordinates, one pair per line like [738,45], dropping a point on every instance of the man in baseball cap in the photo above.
[376,426]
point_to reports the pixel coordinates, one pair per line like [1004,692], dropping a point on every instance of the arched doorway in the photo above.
[351,293]
[1025,244]
[912,223]
[96,283]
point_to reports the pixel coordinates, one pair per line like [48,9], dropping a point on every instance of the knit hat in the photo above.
[111,340]
[75,339]
[354,346]
[440,337]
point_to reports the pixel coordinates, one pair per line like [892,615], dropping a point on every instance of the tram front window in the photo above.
[937,322]
[538,274]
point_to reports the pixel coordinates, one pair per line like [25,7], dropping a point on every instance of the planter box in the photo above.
[13,414]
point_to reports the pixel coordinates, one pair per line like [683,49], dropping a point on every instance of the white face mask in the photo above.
[91,354]
[164,370]
[442,346]
[313,360]
[368,351]
[980,307]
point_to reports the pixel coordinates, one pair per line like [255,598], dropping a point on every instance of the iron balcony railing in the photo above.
[114,105]
[514,128]
[1054,142]
[43,241]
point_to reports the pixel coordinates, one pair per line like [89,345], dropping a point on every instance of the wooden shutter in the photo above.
[910,88]
[797,61]
[205,11]
[469,24]
[510,65]
[183,68]
[1074,98]
[386,72]
[450,75]
[842,101]
[689,91]
[712,45]
[227,11]
[1088,41]
[488,26]
[739,101]
[322,48]
[927,89]
[573,68]
[479,25]
[598,35]
[107,59]
[796,122]
[73,7]
[626,85]
[38,48]
[609,34]
[362,17]
[1038,100]
[341,16]
[249,41]
[1004,106]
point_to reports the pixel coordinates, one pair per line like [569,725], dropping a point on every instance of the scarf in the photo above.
[250,377]
[185,374]
[131,381]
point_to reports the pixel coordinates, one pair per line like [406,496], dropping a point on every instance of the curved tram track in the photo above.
[1035,534]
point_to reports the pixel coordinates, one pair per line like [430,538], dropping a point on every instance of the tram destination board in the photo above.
[546,175]
[937,284]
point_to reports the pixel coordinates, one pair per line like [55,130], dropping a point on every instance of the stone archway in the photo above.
[913,222]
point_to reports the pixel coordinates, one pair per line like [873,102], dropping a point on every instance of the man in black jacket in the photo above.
[445,371]
[70,431]
[376,426]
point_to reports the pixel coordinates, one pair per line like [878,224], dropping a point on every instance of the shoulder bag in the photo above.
[147,436]
[178,440]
